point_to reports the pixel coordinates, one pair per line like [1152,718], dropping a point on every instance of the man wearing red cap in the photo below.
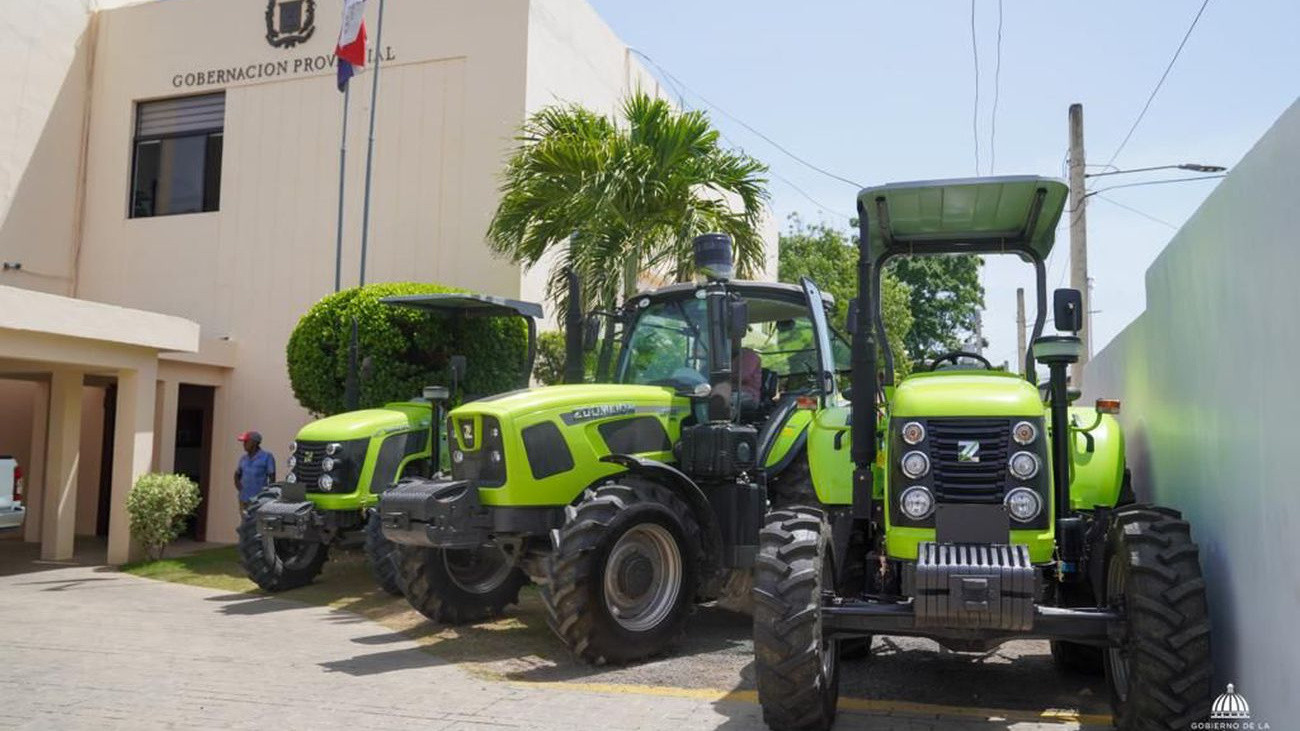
[256,468]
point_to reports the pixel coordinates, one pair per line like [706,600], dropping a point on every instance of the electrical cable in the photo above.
[975,111]
[1155,182]
[997,87]
[1143,214]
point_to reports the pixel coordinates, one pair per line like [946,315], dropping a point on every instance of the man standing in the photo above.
[256,468]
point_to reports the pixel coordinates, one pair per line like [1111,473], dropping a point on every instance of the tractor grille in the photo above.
[349,459]
[958,481]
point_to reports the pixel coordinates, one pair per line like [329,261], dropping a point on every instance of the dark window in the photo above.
[636,435]
[547,452]
[177,163]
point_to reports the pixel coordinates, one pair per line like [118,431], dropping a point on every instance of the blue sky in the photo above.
[880,92]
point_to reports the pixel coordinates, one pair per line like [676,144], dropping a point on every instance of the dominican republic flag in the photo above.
[351,50]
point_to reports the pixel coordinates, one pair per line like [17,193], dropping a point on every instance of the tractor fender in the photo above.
[685,487]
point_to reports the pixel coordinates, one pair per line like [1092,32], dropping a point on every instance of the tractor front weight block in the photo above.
[434,513]
[849,618]
[299,521]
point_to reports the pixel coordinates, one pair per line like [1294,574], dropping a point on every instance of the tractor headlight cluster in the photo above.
[291,478]
[333,448]
[915,464]
[326,483]
[916,502]
[1023,504]
[913,432]
[1024,465]
[327,464]
[1024,433]
[292,462]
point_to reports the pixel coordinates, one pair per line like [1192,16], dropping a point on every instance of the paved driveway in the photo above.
[84,647]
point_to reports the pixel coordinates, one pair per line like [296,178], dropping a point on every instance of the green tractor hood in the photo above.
[966,393]
[367,422]
[579,402]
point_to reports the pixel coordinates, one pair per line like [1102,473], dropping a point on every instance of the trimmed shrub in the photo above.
[402,349]
[158,505]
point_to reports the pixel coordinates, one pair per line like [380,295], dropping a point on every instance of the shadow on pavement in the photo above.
[383,662]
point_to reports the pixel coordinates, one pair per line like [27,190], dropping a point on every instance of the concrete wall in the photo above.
[1208,378]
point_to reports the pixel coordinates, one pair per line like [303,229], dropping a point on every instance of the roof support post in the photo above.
[59,502]
[132,453]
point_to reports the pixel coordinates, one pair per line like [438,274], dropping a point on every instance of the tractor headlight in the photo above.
[326,483]
[327,464]
[457,456]
[916,502]
[333,449]
[291,462]
[1023,504]
[291,478]
[1024,465]
[913,432]
[495,456]
[293,447]
[1024,432]
[915,464]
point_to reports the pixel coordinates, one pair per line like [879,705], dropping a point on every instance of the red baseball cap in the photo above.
[250,436]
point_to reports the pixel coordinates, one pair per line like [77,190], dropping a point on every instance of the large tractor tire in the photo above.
[382,557]
[622,578]
[459,585]
[276,564]
[1160,678]
[796,666]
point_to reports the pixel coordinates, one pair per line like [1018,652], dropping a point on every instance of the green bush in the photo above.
[407,349]
[549,366]
[158,505]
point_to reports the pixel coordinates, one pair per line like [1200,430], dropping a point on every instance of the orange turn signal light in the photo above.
[805,402]
[1108,406]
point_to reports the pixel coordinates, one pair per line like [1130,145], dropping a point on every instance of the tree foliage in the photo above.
[827,256]
[158,505]
[551,358]
[619,199]
[401,349]
[945,296]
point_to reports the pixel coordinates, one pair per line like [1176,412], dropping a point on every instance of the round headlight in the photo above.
[1023,504]
[333,448]
[1024,432]
[915,464]
[293,447]
[1024,465]
[916,502]
[291,462]
[327,464]
[457,456]
[913,432]
[494,455]
[326,483]
[291,478]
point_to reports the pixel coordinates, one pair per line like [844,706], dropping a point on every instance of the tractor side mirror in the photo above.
[590,333]
[1067,307]
[737,320]
[851,318]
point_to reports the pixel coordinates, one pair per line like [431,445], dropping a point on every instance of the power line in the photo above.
[1159,83]
[746,125]
[975,111]
[1143,214]
[997,87]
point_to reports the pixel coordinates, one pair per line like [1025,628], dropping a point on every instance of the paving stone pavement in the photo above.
[91,648]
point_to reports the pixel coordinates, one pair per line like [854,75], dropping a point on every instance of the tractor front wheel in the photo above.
[460,585]
[276,564]
[1160,677]
[796,665]
[621,579]
[382,557]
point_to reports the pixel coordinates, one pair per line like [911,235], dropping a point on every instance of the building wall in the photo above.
[1207,375]
[16,404]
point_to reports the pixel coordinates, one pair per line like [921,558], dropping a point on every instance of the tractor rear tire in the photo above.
[459,585]
[276,564]
[797,669]
[622,578]
[1160,678]
[382,557]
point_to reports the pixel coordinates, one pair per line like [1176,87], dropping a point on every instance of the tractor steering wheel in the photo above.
[953,355]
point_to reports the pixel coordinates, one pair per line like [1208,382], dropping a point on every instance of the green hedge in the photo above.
[407,349]
[549,368]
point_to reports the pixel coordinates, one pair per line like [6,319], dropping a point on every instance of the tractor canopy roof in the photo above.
[472,305]
[741,287]
[968,215]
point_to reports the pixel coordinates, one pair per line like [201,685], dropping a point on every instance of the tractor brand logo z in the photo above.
[289,22]
[306,458]
[968,451]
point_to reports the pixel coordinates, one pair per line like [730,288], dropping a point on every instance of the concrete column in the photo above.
[164,457]
[223,500]
[132,453]
[34,470]
[59,502]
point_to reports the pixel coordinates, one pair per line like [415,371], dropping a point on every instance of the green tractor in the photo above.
[970,507]
[340,465]
[629,501]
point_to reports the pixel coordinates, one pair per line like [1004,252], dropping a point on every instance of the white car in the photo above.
[11,493]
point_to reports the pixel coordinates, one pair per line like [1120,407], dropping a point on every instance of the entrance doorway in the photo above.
[194,449]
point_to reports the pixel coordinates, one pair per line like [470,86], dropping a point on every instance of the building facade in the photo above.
[182,158]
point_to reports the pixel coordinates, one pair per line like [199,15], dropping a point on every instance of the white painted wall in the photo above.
[1209,379]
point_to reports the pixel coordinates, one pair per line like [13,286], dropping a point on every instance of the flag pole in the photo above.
[370,151]
[343,159]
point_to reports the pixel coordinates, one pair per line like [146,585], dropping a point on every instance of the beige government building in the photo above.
[168,199]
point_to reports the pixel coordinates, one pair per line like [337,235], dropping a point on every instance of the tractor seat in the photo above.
[785,408]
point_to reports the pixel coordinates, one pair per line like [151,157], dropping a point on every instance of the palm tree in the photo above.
[616,201]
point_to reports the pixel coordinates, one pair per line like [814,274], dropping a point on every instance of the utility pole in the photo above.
[1020,330]
[1078,232]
